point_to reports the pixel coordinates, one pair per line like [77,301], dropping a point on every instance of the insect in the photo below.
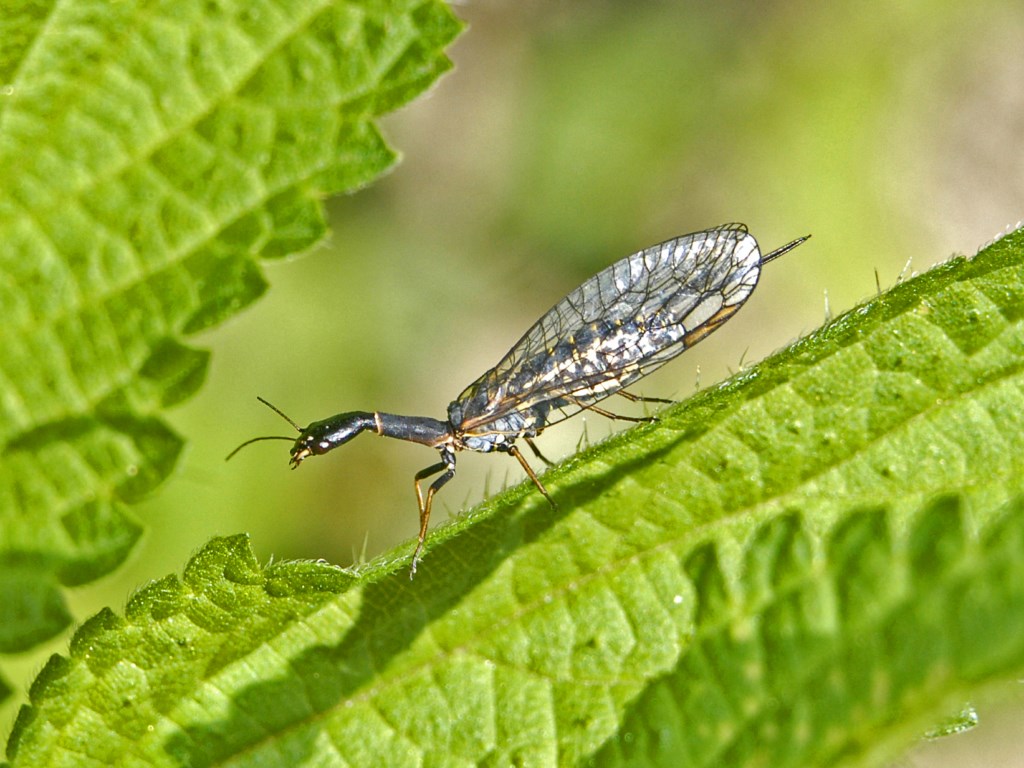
[617,327]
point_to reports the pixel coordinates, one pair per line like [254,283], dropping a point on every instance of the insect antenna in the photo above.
[256,440]
[280,413]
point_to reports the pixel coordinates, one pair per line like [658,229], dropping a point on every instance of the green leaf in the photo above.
[812,564]
[964,720]
[5,689]
[151,151]
[32,610]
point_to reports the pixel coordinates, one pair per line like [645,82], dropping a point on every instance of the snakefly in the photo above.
[619,326]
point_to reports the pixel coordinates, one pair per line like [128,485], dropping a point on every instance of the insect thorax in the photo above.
[497,434]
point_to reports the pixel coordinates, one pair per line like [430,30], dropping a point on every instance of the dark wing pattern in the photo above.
[617,327]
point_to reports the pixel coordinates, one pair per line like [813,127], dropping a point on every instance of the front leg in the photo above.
[447,464]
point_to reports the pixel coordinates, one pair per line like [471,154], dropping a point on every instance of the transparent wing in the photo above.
[617,327]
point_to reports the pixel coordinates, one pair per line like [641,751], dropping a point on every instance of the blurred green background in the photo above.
[569,135]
